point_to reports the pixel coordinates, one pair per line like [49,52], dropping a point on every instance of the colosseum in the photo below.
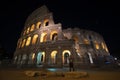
[44,43]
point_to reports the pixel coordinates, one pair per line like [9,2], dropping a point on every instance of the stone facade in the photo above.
[45,44]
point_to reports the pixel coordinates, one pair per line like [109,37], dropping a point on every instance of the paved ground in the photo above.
[93,74]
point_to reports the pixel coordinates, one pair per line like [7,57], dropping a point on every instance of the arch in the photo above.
[28,30]
[65,56]
[103,46]
[38,25]
[31,58]
[46,22]
[96,44]
[24,32]
[40,58]
[53,57]
[34,39]
[43,37]
[32,27]
[28,41]
[23,43]
[54,35]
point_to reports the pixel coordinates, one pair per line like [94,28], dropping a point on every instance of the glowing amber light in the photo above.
[97,46]
[23,43]
[106,49]
[38,25]
[53,56]
[46,22]
[28,41]
[52,33]
[43,37]
[35,37]
[28,29]
[33,56]
[103,46]
[32,27]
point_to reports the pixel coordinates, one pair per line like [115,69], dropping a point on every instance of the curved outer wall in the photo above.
[44,44]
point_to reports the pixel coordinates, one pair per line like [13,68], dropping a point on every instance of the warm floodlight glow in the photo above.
[64,58]
[35,37]
[97,46]
[33,56]
[23,43]
[28,41]
[43,37]
[46,22]
[103,46]
[52,35]
[32,27]
[38,25]
[53,56]
[28,29]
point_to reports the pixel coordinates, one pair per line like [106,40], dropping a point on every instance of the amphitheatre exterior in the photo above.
[45,44]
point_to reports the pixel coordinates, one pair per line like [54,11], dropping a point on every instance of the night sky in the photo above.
[102,17]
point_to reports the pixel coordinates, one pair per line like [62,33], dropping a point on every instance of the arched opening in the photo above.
[66,54]
[46,22]
[32,27]
[54,35]
[28,41]
[23,43]
[38,25]
[28,30]
[53,57]
[43,37]
[40,58]
[31,58]
[34,40]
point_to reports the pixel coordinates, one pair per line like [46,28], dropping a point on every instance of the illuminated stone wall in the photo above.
[44,44]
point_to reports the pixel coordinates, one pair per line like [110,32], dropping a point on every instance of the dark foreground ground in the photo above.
[59,74]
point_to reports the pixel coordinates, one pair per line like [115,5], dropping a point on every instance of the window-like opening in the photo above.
[34,40]
[53,57]
[43,37]
[32,27]
[28,30]
[40,58]
[38,25]
[65,56]
[46,22]
[55,36]
[23,43]
[28,41]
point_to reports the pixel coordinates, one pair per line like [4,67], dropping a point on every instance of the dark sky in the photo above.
[99,16]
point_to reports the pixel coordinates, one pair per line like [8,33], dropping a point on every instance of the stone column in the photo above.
[59,57]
